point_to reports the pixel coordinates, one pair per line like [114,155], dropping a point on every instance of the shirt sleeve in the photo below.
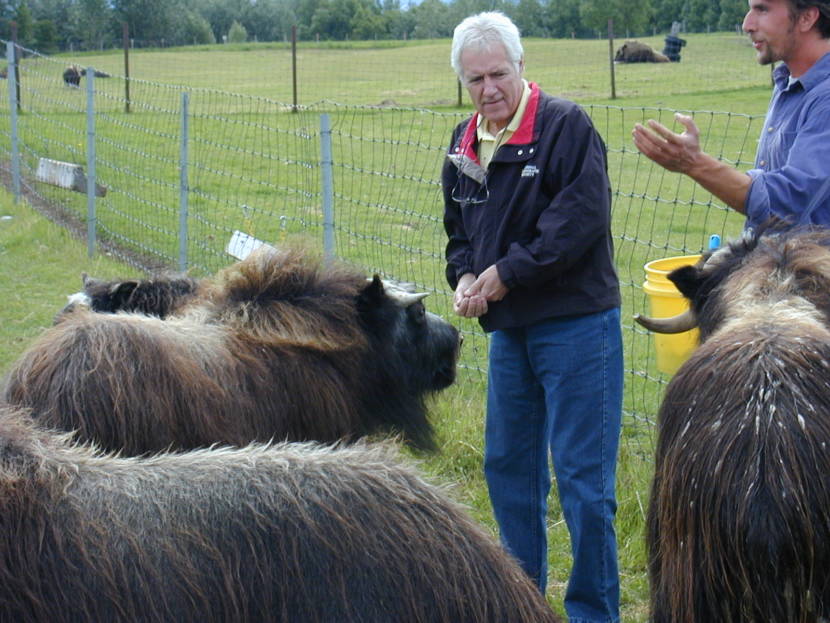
[797,191]
[578,214]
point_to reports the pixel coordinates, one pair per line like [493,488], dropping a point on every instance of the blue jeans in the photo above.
[555,391]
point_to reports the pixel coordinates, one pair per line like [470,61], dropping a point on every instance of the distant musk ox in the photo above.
[72,76]
[739,518]
[159,296]
[291,533]
[278,346]
[638,52]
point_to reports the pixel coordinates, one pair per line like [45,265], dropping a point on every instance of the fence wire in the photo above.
[254,166]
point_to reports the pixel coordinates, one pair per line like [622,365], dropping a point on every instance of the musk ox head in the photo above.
[289,532]
[772,269]
[410,335]
[159,296]
[739,512]
[277,346]
[638,52]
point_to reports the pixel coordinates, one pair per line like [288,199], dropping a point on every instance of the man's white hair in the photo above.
[483,31]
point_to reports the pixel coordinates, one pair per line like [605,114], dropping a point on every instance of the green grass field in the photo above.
[418,74]
[254,165]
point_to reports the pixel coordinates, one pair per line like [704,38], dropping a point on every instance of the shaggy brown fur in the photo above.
[291,533]
[279,346]
[739,518]
[638,52]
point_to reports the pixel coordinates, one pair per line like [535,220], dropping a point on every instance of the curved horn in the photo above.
[405,299]
[676,324]
[401,294]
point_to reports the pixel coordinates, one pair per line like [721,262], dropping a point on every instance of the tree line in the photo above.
[52,25]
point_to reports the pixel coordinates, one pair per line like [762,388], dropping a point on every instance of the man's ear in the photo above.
[807,18]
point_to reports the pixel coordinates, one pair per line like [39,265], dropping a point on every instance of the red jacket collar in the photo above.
[522,135]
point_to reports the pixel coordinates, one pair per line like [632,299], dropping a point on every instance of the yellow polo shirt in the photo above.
[488,143]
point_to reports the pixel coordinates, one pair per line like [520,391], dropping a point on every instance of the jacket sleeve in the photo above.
[459,252]
[578,214]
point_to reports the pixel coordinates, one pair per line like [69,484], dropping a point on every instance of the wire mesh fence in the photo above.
[253,164]
[417,73]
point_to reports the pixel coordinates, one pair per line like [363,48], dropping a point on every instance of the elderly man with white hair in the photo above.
[530,255]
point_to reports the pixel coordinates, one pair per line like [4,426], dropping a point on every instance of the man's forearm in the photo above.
[681,153]
[722,180]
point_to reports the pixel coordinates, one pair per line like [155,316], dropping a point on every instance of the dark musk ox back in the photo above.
[739,517]
[291,533]
[278,346]
[159,296]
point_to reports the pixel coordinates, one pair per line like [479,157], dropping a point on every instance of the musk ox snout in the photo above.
[432,341]
[446,346]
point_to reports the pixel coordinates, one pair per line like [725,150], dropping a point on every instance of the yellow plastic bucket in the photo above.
[666,301]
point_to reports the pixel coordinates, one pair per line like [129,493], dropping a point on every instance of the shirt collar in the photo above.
[819,72]
[484,133]
[524,134]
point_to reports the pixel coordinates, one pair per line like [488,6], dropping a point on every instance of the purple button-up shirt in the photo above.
[791,178]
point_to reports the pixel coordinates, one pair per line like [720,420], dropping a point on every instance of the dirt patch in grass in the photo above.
[75,225]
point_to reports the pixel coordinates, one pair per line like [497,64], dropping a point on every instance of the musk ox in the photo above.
[290,532]
[278,346]
[158,296]
[739,516]
[638,52]
[72,76]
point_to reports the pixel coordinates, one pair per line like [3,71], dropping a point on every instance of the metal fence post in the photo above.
[294,66]
[15,156]
[328,191]
[183,184]
[90,161]
[16,65]
[125,35]
[611,58]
